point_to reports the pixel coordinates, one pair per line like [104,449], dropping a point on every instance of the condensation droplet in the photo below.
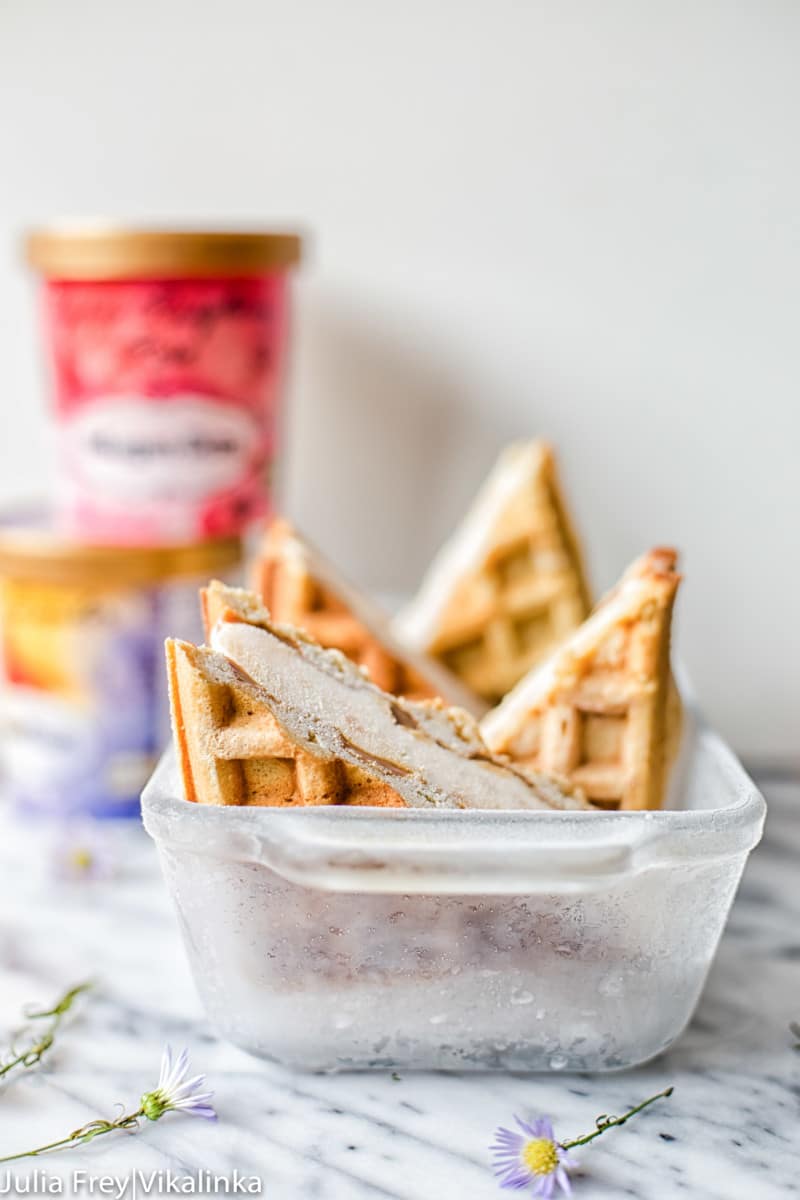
[518,996]
[558,1062]
[610,985]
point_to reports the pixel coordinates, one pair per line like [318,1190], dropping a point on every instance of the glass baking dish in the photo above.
[337,938]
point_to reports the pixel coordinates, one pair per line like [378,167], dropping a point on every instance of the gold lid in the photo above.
[99,252]
[38,554]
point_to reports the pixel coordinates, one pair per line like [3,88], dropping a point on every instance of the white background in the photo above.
[573,219]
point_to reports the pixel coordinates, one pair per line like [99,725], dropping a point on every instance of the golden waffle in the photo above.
[267,716]
[510,585]
[603,711]
[301,588]
[233,751]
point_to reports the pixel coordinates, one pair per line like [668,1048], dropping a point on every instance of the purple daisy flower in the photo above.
[532,1158]
[176,1093]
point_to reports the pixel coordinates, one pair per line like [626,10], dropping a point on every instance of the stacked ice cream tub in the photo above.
[166,351]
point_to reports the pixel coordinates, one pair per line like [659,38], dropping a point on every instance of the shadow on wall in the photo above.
[385,447]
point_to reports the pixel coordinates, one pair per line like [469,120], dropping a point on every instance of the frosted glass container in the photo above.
[336,938]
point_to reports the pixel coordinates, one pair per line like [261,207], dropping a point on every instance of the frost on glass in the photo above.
[532,941]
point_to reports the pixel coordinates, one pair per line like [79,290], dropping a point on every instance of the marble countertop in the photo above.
[731,1128]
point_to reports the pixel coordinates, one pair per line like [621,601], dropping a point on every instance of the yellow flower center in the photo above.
[539,1156]
[81,859]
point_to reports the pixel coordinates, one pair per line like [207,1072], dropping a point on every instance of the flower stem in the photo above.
[85,1134]
[34,1053]
[605,1122]
[63,1005]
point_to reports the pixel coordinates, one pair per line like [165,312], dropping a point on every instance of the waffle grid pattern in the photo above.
[236,752]
[609,722]
[526,597]
[294,597]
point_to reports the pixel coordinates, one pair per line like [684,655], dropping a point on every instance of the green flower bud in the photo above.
[154,1105]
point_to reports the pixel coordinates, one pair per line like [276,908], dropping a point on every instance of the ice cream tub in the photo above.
[167,351]
[83,705]
[338,938]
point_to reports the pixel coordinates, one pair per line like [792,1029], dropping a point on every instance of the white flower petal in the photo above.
[166,1065]
[191,1085]
[191,1101]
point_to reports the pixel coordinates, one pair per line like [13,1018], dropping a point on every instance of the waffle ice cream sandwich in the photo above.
[603,711]
[233,751]
[300,587]
[268,717]
[510,585]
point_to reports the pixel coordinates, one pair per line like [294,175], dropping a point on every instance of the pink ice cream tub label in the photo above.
[167,355]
